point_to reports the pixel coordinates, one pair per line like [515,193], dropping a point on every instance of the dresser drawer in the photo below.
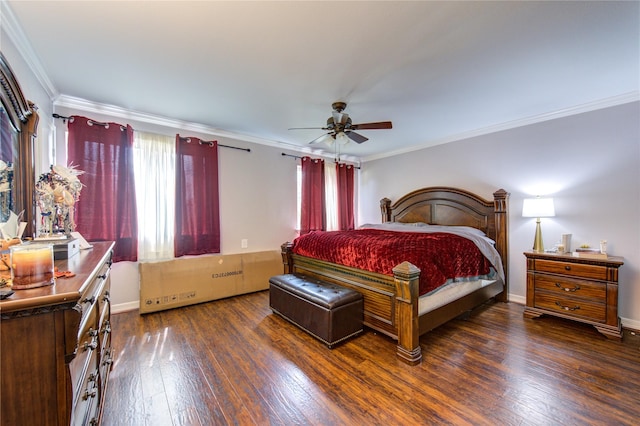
[87,347]
[87,394]
[594,291]
[572,306]
[106,358]
[594,272]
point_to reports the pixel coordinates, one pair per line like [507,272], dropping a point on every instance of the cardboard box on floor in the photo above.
[186,281]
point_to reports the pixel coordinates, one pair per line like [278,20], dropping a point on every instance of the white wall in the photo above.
[257,198]
[35,92]
[589,163]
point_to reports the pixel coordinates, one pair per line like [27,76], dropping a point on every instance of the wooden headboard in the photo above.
[453,206]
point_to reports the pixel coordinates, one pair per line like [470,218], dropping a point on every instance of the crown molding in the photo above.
[624,98]
[12,28]
[79,104]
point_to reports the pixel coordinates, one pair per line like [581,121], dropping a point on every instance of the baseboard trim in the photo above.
[125,307]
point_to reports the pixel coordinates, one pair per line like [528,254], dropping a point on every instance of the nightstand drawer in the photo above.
[567,287]
[571,306]
[594,272]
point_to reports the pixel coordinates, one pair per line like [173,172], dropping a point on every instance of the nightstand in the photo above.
[576,288]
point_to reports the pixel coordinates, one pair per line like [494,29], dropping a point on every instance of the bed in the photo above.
[392,304]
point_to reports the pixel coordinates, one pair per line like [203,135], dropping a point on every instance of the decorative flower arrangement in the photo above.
[57,192]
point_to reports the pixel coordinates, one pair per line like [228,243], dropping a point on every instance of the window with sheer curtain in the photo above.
[338,196]
[155,173]
[331,196]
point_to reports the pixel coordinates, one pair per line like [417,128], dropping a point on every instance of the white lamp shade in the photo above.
[538,207]
[328,139]
[342,138]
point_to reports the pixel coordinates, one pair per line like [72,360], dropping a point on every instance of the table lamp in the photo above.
[538,207]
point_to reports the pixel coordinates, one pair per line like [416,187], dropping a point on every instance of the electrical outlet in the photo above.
[244,243]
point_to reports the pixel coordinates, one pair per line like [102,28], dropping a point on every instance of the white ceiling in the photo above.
[440,71]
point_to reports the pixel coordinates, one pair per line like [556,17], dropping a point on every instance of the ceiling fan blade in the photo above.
[372,126]
[357,138]
[322,138]
[307,128]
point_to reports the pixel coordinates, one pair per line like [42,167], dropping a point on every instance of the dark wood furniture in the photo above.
[576,288]
[56,345]
[391,303]
[328,312]
[22,118]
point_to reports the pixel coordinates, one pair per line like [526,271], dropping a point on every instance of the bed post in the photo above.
[385,210]
[287,261]
[500,201]
[405,277]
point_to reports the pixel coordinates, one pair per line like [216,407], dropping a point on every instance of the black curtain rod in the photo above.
[223,146]
[289,155]
[298,157]
[90,121]
[105,124]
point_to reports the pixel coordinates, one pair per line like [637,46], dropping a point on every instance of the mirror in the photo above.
[18,124]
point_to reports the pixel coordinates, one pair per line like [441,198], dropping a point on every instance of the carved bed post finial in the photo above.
[385,210]
[406,277]
[287,261]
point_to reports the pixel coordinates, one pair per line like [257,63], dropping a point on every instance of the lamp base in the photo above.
[538,245]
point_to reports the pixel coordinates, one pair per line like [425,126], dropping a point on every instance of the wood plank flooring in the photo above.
[233,362]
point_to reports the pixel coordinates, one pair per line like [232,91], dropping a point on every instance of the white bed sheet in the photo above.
[448,293]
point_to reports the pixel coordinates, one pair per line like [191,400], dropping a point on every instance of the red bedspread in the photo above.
[440,256]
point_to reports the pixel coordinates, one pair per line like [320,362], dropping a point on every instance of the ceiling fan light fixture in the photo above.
[342,138]
[329,139]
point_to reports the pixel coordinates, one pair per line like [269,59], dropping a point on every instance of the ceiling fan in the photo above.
[340,127]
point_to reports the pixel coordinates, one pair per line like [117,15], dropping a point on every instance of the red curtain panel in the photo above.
[312,208]
[197,197]
[344,174]
[106,209]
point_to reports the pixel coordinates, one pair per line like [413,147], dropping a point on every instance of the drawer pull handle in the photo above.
[567,268]
[92,332]
[91,300]
[574,289]
[90,346]
[567,308]
[88,394]
[102,277]
[107,328]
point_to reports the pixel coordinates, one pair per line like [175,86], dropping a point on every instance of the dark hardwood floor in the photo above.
[233,362]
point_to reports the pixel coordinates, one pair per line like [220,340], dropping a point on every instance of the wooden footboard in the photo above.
[391,303]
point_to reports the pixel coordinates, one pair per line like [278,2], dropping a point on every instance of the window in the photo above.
[154,159]
[331,196]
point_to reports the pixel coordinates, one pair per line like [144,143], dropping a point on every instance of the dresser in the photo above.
[576,288]
[56,345]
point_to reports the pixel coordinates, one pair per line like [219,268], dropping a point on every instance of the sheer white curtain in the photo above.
[154,166]
[331,195]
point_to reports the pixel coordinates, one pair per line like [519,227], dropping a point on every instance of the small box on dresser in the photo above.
[577,288]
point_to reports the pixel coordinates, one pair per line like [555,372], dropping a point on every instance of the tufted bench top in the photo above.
[314,290]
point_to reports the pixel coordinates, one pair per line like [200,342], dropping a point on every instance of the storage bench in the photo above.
[329,312]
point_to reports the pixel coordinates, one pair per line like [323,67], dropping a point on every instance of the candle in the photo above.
[31,266]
